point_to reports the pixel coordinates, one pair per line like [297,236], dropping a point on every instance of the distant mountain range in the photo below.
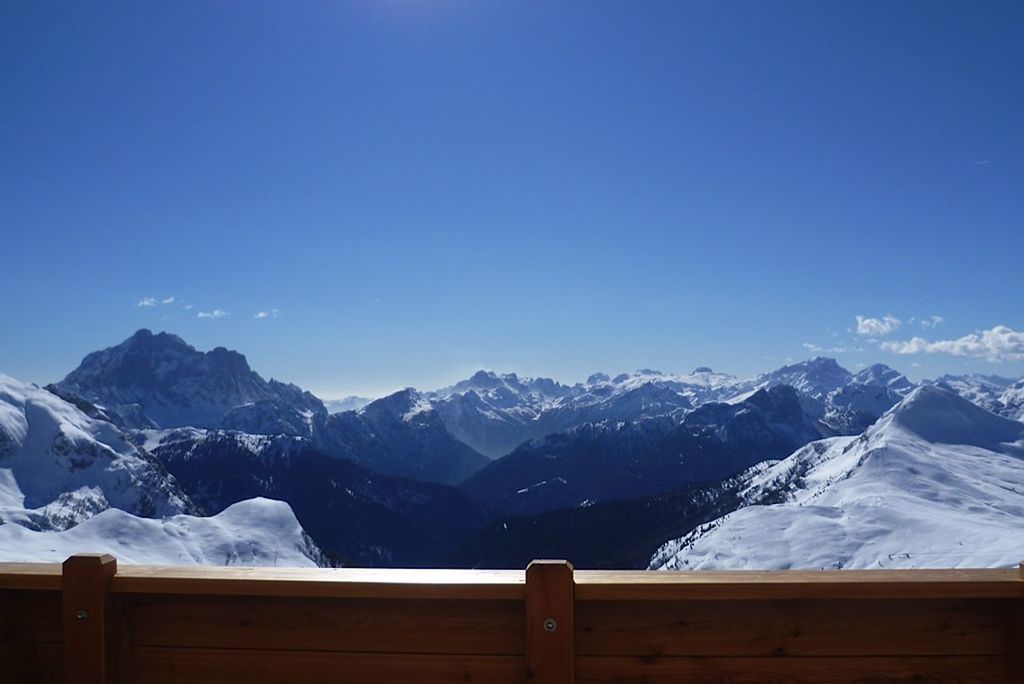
[493,469]
[611,460]
[160,381]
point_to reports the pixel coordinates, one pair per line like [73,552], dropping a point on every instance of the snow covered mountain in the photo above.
[496,413]
[59,467]
[400,434]
[71,482]
[1013,401]
[992,392]
[936,482]
[847,403]
[614,460]
[257,532]
[356,514]
[161,381]
[350,403]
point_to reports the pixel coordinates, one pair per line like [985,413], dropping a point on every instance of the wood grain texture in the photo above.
[1015,640]
[883,670]
[798,627]
[40,614]
[745,585]
[363,625]
[153,665]
[49,663]
[88,619]
[322,582]
[43,576]
[550,626]
[15,643]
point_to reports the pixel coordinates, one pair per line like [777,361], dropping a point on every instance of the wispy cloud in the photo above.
[932,321]
[188,307]
[149,302]
[216,313]
[267,314]
[836,349]
[999,343]
[981,162]
[877,327]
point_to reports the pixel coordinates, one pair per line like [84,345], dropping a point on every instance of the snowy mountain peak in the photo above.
[483,379]
[159,379]
[815,377]
[941,416]
[880,374]
[405,404]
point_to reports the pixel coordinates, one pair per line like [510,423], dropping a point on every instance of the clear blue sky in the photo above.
[423,188]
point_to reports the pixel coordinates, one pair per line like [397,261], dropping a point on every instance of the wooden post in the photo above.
[88,617]
[550,630]
[1015,636]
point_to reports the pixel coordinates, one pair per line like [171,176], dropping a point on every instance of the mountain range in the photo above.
[493,469]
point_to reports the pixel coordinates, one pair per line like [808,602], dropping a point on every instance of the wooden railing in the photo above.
[90,622]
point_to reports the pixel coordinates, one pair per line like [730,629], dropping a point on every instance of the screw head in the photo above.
[550,625]
[81,614]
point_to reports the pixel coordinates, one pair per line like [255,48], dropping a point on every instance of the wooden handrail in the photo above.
[510,584]
[594,620]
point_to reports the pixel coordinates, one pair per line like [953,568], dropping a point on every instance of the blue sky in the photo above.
[419,189]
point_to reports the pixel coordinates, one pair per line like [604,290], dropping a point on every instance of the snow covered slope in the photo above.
[936,482]
[59,467]
[254,532]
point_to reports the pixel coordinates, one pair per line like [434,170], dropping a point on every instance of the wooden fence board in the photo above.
[729,670]
[746,585]
[805,628]
[155,665]
[362,625]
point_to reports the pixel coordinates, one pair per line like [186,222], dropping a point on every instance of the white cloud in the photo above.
[999,343]
[148,302]
[267,314]
[188,307]
[932,321]
[837,349]
[876,327]
[216,313]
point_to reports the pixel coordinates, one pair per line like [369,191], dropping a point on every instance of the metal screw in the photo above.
[81,614]
[550,625]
